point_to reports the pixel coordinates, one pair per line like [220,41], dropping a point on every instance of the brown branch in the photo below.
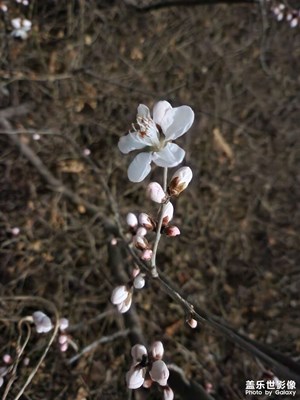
[149,6]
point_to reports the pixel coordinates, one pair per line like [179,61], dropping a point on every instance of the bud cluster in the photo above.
[147,368]
[284,12]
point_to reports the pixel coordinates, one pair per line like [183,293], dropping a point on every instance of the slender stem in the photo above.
[158,229]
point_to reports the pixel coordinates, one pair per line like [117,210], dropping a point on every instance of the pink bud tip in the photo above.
[172,231]
[141,231]
[146,255]
[62,339]
[113,242]
[7,358]
[15,231]
[86,152]
[135,272]
[64,347]
[155,192]
[36,136]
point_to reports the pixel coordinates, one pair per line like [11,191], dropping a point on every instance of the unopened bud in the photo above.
[119,294]
[125,305]
[168,211]
[294,22]
[146,221]
[63,324]
[135,378]
[42,322]
[141,231]
[140,242]
[138,351]
[155,192]
[172,231]
[192,323]
[168,393]
[180,181]
[62,339]
[147,255]
[157,350]
[139,282]
[131,220]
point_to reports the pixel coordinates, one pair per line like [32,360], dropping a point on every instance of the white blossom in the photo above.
[42,322]
[138,351]
[139,282]
[21,28]
[155,136]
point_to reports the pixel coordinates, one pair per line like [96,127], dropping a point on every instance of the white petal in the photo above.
[168,393]
[16,23]
[135,378]
[170,156]
[159,111]
[139,167]
[119,294]
[132,220]
[159,372]
[143,111]
[42,322]
[125,305]
[130,142]
[177,121]
[137,352]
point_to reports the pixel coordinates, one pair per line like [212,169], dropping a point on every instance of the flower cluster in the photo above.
[155,136]
[21,28]
[284,12]
[147,368]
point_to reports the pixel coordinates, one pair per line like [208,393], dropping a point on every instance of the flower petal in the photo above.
[170,156]
[143,111]
[135,377]
[159,111]
[177,121]
[130,142]
[139,167]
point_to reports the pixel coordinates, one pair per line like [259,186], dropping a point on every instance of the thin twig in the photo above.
[158,229]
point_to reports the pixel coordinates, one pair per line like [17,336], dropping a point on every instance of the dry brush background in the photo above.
[80,76]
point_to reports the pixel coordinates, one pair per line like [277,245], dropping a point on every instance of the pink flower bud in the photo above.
[64,347]
[15,231]
[42,322]
[63,324]
[62,339]
[26,361]
[168,393]
[192,323]
[180,181]
[36,136]
[294,22]
[147,383]
[119,294]
[86,152]
[172,231]
[125,305]
[135,378]
[147,255]
[168,211]
[146,221]
[7,358]
[155,192]
[135,271]
[139,282]
[141,231]
[131,220]
[157,350]
[140,242]
[159,372]
[138,351]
